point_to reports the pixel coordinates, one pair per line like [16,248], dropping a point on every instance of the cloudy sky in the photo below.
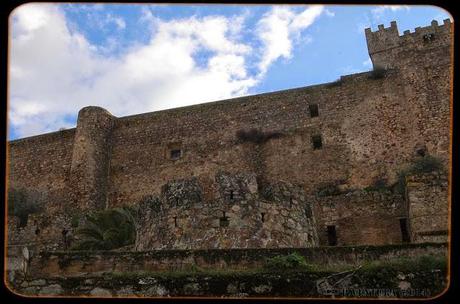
[133,59]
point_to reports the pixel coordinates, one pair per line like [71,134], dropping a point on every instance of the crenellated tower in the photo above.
[422,61]
[389,50]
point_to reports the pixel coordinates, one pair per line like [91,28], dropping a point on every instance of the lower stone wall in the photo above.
[428,202]
[382,282]
[49,264]
[240,217]
[42,231]
[361,217]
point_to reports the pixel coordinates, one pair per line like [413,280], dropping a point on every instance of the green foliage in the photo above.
[293,261]
[406,264]
[428,272]
[256,136]
[425,164]
[328,190]
[379,185]
[377,73]
[22,202]
[75,220]
[106,230]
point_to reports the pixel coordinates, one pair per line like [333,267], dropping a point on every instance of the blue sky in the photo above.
[140,58]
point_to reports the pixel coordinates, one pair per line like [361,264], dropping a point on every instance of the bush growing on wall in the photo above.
[106,230]
[328,189]
[425,164]
[379,184]
[256,136]
[22,203]
[377,73]
[293,261]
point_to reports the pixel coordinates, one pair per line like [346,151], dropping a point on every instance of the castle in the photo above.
[285,169]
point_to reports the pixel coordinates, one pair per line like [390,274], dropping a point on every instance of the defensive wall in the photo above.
[352,132]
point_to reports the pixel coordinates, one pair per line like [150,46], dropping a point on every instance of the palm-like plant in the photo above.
[106,230]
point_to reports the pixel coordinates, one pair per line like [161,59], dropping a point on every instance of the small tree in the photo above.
[425,164]
[256,136]
[106,230]
[293,261]
[22,203]
[378,72]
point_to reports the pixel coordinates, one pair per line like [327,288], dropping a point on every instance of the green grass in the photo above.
[406,264]
[293,261]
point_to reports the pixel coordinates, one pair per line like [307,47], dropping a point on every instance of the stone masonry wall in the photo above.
[42,163]
[236,272]
[361,217]
[90,159]
[66,264]
[427,197]
[370,126]
[238,218]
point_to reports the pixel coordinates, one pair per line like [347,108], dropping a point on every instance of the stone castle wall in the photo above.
[238,218]
[361,217]
[42,163]
[66,264]
[226,272]
[90,159]
[428,207]
[370,126]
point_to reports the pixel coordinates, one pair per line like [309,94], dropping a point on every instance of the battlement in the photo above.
[387,41]
[199,184]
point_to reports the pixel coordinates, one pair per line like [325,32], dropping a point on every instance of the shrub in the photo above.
[106,230]
[378,185]
[377,73]
[406,264]
[328,190]
[75,220]
[293,261]
[256,136]
[22,203]
[425,164]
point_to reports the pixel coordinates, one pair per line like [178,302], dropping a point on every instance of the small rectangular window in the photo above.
[404,231]
[331,236]
[317,142]
[224,221]
[308,212]
[175,221]
[176,153]
[313,110]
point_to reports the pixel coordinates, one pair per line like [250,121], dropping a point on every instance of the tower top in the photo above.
[384,41]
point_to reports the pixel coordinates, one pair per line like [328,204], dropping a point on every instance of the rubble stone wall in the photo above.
[361,217]
[370,124]
[238,218]
[68,264]
[427,197]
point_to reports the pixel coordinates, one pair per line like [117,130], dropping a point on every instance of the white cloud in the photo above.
[380,10]
[329,13]
[118,21]
[55,71]
[279,27]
